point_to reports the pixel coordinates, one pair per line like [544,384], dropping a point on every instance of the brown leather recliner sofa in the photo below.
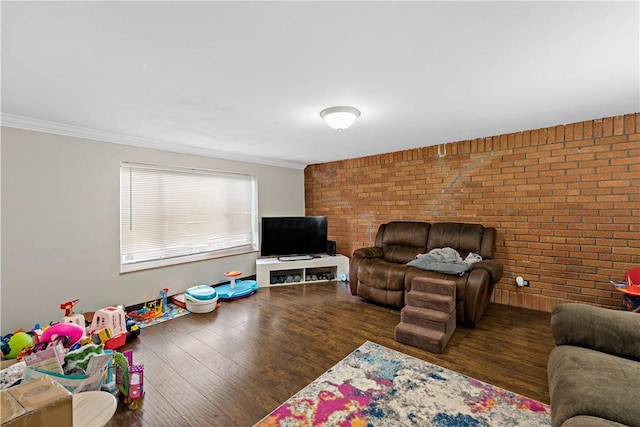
[380,274]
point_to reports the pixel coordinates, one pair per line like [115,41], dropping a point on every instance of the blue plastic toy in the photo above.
[236,288]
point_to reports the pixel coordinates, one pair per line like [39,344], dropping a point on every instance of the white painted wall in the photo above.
[60,225]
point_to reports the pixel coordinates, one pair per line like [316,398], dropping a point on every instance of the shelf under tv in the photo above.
[270,271]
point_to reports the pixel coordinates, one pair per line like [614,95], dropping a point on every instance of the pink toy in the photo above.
[114,319]
[71,330]
[129,378]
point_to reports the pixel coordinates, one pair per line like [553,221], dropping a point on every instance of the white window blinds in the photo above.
[173,215]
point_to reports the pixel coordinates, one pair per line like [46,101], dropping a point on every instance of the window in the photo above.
[176,215]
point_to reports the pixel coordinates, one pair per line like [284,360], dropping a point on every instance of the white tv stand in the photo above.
[274,272]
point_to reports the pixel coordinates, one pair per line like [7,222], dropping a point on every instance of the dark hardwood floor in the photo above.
[233,366]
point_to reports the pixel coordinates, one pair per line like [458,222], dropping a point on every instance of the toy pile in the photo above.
[76,353]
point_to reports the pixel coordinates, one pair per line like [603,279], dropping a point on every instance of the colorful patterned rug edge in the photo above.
[378,386]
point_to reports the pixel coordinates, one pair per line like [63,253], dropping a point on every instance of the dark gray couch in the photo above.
[594,370]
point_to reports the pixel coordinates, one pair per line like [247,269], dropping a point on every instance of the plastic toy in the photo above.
[201,299]
[18,342]
[236,288]
[109,380]
[70,316]
[163,296]
[114,319]
[4,344]
[57,341]
[133,330]
[129,378]
[99,337]
[36,332]
[633,278]
[77,319]
[152,309]
[232,275]
[73,332]
[68,306]
[630,290]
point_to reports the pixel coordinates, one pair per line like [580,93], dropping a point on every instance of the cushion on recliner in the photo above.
[465,238]
[403,240]
[380,274]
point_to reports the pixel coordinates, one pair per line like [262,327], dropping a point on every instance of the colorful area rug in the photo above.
[377,386]
[172,312]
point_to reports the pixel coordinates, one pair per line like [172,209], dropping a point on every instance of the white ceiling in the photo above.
[247,80]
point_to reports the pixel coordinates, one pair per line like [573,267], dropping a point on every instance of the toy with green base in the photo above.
[129,378]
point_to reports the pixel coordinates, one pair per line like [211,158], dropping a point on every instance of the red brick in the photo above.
[618,125]
[565,218]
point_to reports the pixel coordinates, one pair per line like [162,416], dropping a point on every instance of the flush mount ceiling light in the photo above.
[340,117]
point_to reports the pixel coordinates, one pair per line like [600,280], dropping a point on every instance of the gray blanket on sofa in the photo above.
[444,260]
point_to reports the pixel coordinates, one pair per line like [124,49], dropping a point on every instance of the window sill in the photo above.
[148,265]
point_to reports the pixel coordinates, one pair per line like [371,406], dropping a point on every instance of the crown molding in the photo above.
[27,123]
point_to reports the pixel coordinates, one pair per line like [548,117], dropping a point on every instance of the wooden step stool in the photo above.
[429,318]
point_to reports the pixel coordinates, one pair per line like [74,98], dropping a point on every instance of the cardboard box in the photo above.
[38,403]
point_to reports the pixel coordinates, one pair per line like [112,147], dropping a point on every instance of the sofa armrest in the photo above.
[359,255]
[476,295]
[601,329]
[372,252]
[492,267]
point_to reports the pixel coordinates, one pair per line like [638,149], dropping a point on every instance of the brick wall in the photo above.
[565,201]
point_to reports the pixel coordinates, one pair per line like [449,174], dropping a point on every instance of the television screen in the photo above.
[306,235]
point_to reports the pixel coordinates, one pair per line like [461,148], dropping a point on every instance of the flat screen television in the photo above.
[294,236]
